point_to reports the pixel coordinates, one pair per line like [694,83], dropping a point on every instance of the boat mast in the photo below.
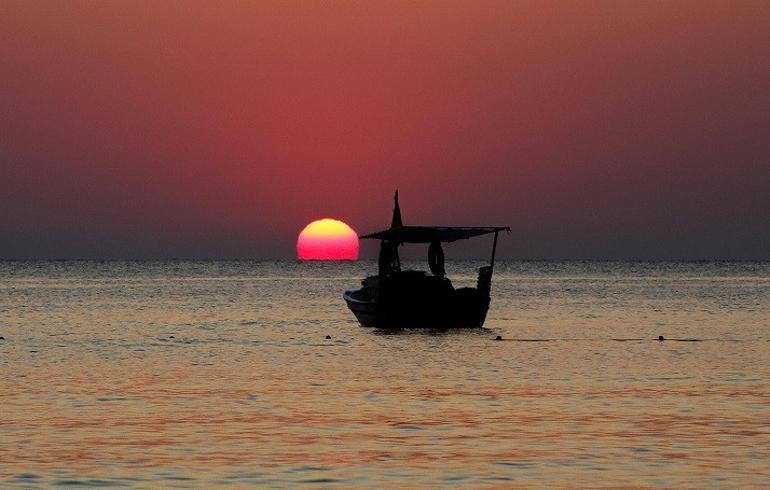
[396,222]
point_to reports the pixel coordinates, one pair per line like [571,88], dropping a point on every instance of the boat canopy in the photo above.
[429,234]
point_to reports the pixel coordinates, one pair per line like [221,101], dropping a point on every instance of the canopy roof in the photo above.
[428,234]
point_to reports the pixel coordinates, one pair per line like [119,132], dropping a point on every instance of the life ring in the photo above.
[436,259]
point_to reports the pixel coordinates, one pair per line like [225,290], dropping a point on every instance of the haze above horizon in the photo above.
[600,130]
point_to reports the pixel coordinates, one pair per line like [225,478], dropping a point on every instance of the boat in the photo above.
[395,299]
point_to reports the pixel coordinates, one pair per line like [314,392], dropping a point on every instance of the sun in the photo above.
[327,239]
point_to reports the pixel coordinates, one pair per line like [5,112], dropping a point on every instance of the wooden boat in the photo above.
[395,298]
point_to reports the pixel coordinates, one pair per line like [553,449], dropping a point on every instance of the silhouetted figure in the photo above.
[388,261]
[660,338]
[499,337]
[436,259]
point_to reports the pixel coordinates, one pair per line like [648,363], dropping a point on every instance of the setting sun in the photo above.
[327,239]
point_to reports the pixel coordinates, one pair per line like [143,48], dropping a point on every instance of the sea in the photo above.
[232,374]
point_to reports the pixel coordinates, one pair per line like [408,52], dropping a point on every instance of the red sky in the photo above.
[220,129]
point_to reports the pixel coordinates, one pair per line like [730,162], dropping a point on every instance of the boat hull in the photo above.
[463,308]
[366,312]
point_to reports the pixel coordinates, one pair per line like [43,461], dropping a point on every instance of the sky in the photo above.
[198,129]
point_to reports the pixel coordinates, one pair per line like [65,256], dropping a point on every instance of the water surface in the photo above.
[179,374]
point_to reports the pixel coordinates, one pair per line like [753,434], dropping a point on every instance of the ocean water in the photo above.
[214,374]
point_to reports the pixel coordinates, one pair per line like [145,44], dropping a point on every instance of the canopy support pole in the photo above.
[494,249]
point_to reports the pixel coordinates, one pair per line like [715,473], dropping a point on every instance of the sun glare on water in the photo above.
[327,239]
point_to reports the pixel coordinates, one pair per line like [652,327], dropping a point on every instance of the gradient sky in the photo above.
[220,129]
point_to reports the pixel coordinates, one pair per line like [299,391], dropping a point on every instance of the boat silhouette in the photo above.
[396,299]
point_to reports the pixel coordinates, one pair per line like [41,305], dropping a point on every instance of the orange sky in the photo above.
[220,129]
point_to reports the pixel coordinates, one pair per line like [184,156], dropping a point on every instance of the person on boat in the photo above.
[388,259]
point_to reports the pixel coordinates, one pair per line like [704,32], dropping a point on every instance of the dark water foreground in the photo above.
[179,374]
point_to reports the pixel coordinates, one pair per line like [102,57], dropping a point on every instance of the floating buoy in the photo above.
[660,337]
[328,337]
[2,338]
[499,337]
[171,337]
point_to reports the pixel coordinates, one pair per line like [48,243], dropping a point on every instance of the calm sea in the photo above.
[213,374]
